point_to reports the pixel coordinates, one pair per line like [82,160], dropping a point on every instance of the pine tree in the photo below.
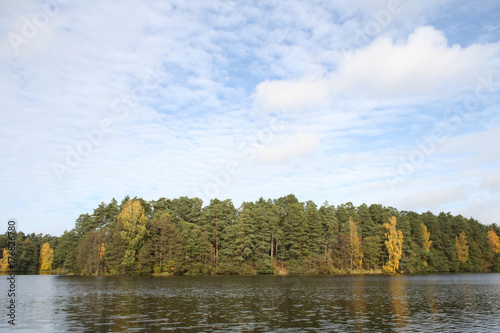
[295,237]
[329,234]
[66,252]
[197,253]
[355,245]
[368,227]
[162,252]
[372,248]
[240,238]
[214,220]
[115,250]
[27,255]
[265,220]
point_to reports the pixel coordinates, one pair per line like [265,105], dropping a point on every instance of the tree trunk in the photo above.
[272,247]
[326,249]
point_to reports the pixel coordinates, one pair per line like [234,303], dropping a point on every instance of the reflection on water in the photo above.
[397,291]
[400,303]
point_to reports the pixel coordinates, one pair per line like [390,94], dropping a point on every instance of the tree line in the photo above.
[279,236]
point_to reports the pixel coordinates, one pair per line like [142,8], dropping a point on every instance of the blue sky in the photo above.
[390,102]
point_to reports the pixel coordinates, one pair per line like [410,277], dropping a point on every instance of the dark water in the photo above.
[402,303]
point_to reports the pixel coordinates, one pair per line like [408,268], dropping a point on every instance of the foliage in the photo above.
[394,244]
[134,224]
[4,262]
[426,238]
[46,257]
[280,236]
[461,248]
[494,241]
[355,244]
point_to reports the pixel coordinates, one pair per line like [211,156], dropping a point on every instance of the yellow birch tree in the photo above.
[427,242]
[461,248]
[102,252]
[427,236]
[4,262]
[394,244]
[493,240]
[134,223]
[46,257]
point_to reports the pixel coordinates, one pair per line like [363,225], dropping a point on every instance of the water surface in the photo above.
[374,303]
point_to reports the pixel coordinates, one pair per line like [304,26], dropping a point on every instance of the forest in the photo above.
[274,236]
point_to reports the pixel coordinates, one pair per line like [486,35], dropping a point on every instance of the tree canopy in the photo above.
[273,236]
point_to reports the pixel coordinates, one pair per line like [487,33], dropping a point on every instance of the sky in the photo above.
[387,102]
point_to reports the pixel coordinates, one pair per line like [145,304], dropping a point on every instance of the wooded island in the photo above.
[281,236]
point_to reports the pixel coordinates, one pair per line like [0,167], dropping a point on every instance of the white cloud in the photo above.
[289,148]
[423,65]
[292,95]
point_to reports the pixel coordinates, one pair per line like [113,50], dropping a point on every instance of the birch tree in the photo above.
[394,244]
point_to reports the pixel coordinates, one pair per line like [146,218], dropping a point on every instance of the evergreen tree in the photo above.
[239,250]
[115,250]
[162,251]
[65,253]
[214,220]
[329,234]
[368,227]
[27,253]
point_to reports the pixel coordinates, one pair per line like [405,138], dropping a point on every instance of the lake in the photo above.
[358,303]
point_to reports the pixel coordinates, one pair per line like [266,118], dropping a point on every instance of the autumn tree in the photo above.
[426,235]
[4,262]
[46,257]
[461,248]
[134,223]
[394,244]
[493,240]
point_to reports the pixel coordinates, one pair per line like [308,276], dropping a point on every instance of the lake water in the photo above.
[375,303]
